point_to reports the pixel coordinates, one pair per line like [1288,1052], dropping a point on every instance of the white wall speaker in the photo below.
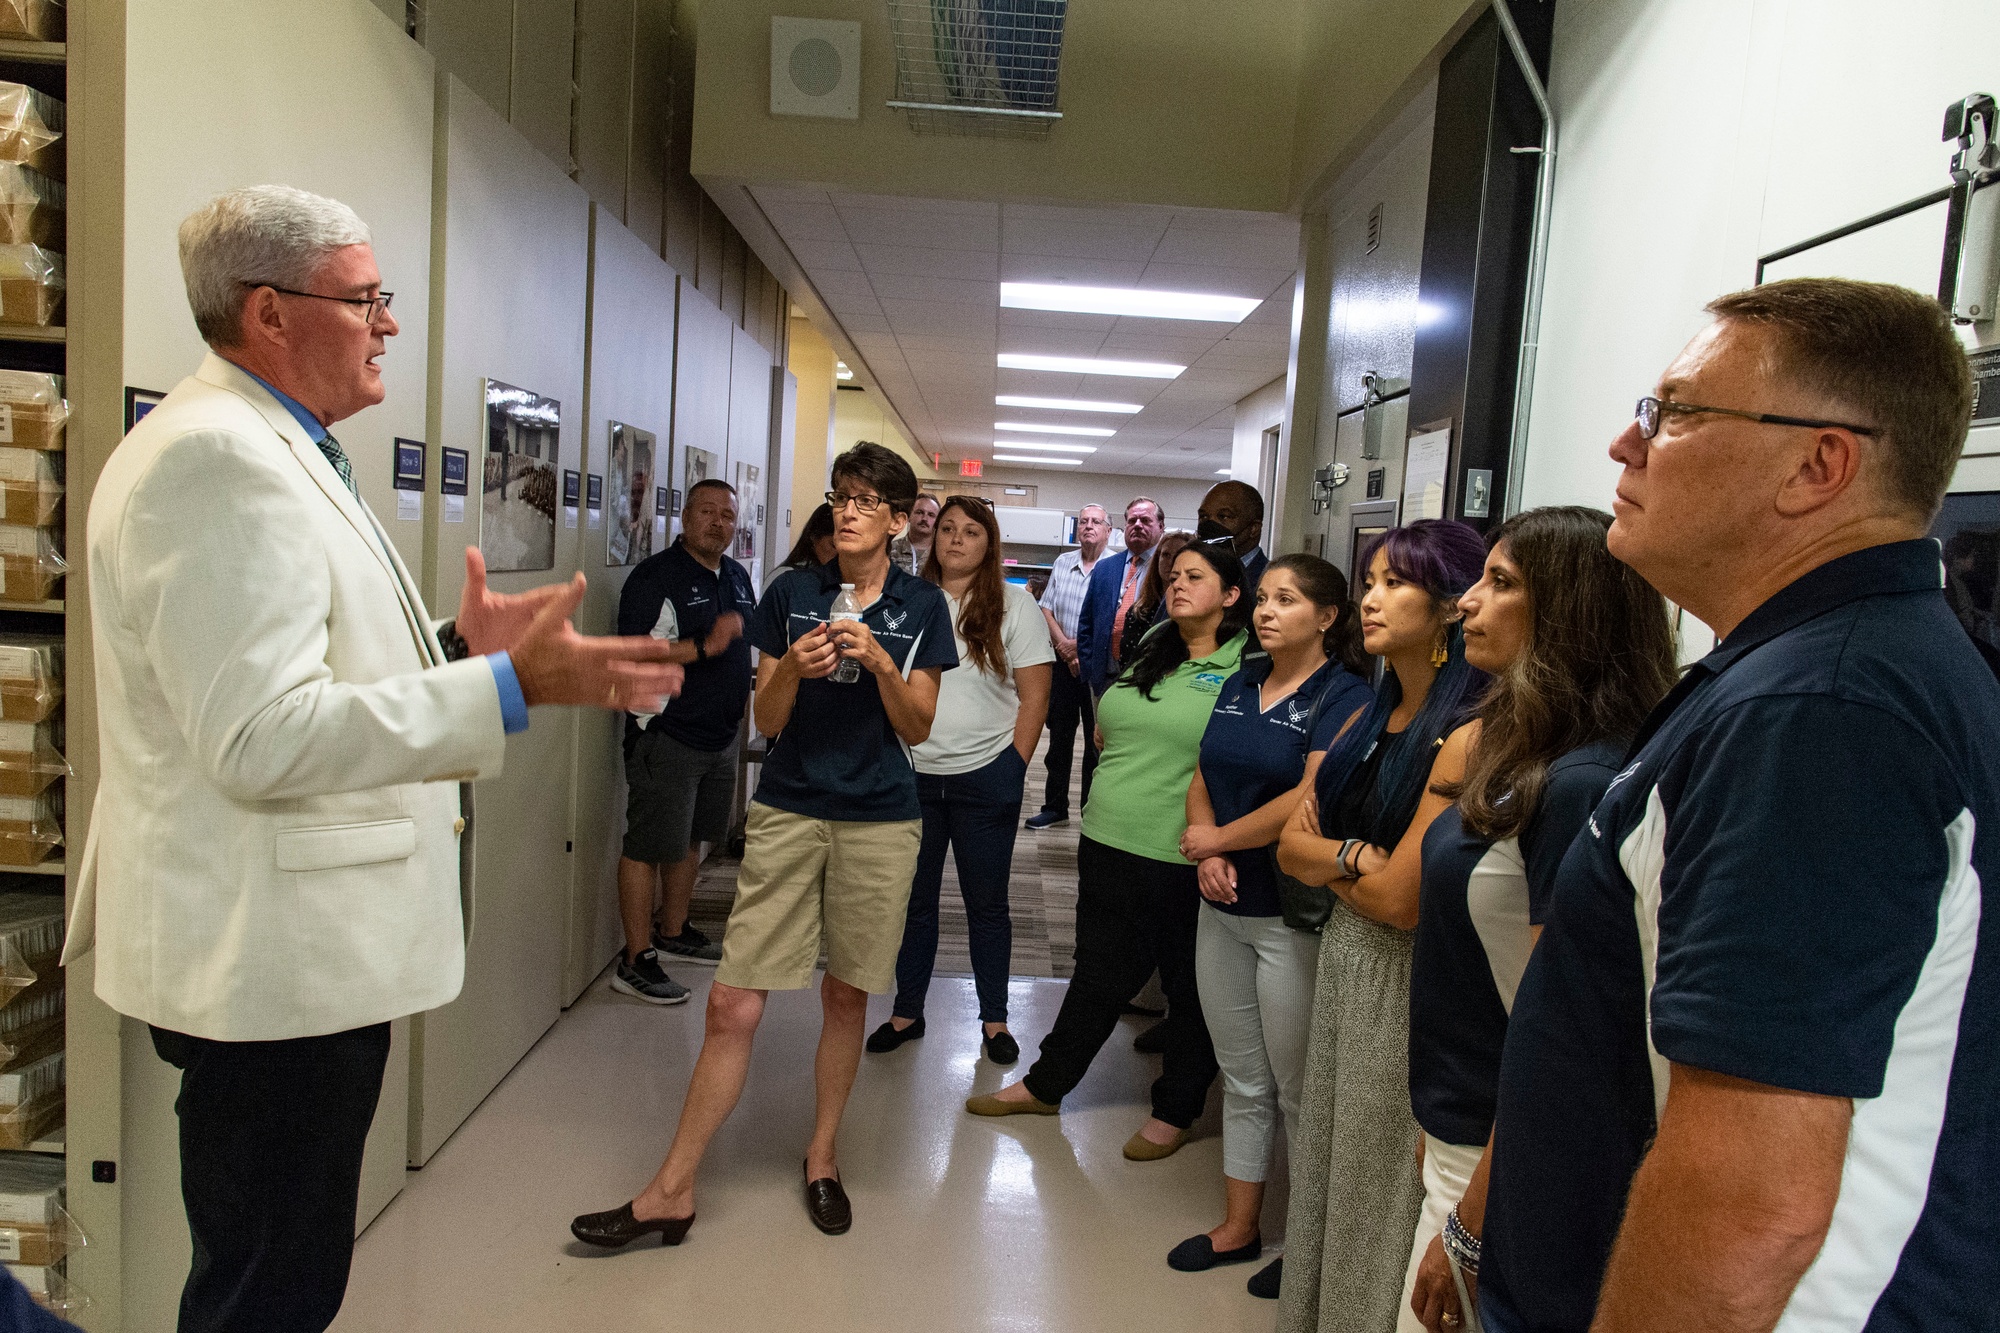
[815,68]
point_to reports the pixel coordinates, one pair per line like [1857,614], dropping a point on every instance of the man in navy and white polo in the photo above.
[1750,1076]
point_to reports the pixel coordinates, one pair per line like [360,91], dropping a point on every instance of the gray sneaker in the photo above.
[690,946]
[644,979]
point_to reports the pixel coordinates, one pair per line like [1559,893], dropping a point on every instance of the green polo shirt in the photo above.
[1138,797]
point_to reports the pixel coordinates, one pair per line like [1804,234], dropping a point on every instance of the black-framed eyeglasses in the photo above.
[863,504]
[1652,411]
[372,307]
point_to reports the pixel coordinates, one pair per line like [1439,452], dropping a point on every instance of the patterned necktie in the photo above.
[1133,569]
[336,456]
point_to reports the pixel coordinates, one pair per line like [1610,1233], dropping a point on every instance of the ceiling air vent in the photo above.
[1374,228]
[816,68]
[978,67]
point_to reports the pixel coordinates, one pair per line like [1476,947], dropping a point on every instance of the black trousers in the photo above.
[975,815]
[271,1140]
[1133,914]
[1070,708]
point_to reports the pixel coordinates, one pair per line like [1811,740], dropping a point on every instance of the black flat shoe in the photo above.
[1197,1254]
[1263,1284]
[888,1037]
[826,1204]
[618,1227]
[1153,1041]
[1002,1049]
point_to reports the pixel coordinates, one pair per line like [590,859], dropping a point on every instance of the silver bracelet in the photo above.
[1460,1244]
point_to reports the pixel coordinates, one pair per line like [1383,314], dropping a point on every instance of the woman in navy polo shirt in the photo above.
[1356,1192]
[1271,724]
[1580,650]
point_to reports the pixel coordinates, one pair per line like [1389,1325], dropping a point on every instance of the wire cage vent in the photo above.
[978,67]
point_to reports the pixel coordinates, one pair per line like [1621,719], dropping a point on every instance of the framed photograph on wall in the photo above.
[517,507]
[749,503]
[696,465]
[631,471]
[138,402]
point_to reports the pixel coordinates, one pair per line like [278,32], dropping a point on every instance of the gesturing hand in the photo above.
[728,629]
[556,665]
[493,622]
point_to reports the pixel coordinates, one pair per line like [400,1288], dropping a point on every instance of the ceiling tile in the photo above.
[933,317]
[819,255]
[1228,249]
[982,296]
[805,222]
[1082,272]
[1021,236]
[1221,279]
[937,231]
[907,204]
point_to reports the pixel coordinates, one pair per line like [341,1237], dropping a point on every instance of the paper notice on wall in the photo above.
[1426,464]
[569,516]
[454,509]
[409,504]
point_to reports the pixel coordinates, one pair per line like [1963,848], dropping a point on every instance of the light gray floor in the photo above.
[960,1223]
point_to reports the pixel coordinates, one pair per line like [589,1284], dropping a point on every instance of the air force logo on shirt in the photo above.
[1296,713]
[892,623]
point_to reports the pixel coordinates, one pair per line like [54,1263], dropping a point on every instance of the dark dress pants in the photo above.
[1070,709]
[977,814]
[1133,914]
[271,1140]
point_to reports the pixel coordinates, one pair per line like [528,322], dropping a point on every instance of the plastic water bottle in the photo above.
[846,607]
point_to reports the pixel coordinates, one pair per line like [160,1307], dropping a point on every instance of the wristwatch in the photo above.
[456,649]
[701,650]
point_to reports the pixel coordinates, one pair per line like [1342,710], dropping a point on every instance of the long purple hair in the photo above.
[1442,555]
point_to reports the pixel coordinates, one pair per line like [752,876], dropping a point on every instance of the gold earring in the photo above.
[1439,653]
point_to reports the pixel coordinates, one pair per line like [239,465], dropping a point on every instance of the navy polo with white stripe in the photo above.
[1786,883]
[838,756]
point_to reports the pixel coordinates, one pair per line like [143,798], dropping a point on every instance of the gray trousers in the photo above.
[1255,975]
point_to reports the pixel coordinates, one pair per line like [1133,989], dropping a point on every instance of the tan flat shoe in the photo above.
[991,1105]
[1139,1148]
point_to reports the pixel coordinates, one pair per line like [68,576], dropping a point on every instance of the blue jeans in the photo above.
[976,814]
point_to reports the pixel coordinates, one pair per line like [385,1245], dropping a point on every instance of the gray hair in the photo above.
[262,234]
[1102,511]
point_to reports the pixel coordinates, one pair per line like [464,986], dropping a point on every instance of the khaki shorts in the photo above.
[803,878]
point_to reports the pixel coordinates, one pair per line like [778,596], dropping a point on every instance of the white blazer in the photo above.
[274,848]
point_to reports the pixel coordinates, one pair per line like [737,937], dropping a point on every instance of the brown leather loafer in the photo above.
[827,1205]
[1139,1148]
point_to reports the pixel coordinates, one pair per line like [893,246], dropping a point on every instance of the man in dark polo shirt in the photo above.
[680,765]
[833,833]
[1750,1074]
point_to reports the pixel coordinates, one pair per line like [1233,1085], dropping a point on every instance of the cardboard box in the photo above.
[32,409]
[32,284]
[32,20]
[32,129]
[33,208]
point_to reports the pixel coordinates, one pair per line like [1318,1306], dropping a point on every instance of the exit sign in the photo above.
[968,467]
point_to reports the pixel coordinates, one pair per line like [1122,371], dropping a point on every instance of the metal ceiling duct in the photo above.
[978,67]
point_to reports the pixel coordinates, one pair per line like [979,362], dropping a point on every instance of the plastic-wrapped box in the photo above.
[33,208]
[29,758]
[31,935]
[32,20]
[31,128]
[32,408]
[31,1025]
[30,829]
[24,1124]
[32,283]
[31,565]
[34,1079]
[31,675]
[31,486]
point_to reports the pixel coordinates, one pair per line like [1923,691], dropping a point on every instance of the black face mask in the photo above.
[1209,530]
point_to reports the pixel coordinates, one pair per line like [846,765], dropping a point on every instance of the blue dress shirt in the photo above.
[513,703]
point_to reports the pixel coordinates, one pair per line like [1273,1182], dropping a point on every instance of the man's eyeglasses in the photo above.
[1651,411]
[863,504]
[372,307]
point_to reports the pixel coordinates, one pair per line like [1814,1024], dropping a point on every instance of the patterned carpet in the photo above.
[1041,891]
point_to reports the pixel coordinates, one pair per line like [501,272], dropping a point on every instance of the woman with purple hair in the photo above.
[1358,838]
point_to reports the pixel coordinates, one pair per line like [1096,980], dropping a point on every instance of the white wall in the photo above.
[1072,488]
[1256,413]
[631,381]
[516,267]
[1696,135]
[214,103]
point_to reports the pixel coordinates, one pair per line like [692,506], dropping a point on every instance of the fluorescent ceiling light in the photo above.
[1035,428]
[1066,404]
[1087,365]
[1029,458]
[1051,447]
[841,372]
[1139,302]
[1222,472]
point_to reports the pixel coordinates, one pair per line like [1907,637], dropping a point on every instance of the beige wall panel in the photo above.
[543,72]
[474,41]
[631,381]
[1186,102]
[811,360]
[646,168]
[604,41]
[701,381]
[515,268]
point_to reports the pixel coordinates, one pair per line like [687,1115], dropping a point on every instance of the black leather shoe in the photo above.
[1153,1041]
[826,1204]
[1197,1254]
[888,1037]
[1002,1049]
[618,1227]
[1264,1283]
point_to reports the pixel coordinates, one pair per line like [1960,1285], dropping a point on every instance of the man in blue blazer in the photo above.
[1114,583]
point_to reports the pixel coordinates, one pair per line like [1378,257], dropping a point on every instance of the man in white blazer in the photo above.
[272,871]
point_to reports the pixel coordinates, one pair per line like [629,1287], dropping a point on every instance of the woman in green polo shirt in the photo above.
[1137,902]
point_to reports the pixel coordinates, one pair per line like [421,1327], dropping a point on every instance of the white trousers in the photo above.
[1255,975]
[1448,1169]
